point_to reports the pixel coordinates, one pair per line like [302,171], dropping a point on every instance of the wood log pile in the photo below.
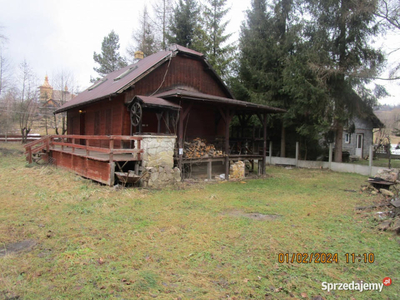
[388,214]
[198,148]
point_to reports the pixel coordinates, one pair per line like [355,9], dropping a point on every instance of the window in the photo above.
[359,141]
[347,138]
[125,73]
[101,81]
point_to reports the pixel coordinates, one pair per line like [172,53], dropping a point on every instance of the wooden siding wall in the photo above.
[205,122]
[101,118]
[183,71]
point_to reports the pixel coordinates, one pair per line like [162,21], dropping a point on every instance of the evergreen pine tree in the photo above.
[185,22]
[109,59]
[341,34]
[213,41]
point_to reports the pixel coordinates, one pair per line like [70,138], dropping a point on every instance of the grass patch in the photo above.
[93,242]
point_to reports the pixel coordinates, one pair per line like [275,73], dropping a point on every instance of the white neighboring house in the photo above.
[358,135]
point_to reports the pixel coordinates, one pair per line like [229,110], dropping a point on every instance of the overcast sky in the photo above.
[55,35]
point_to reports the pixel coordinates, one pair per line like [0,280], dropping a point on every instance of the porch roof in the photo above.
[149,101]
[239,104]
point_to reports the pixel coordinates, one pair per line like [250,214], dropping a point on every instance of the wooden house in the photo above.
[170,93]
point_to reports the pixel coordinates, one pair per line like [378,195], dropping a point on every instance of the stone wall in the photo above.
[158,161]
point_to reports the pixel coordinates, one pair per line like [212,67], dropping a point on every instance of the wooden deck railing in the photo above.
[36,147]
[73,142]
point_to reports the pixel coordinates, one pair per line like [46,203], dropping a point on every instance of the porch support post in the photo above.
[227,116]
[180,144]
[182,116]
[264,144]
[227,149]
[263,120]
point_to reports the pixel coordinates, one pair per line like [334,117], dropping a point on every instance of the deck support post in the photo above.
[111,145]
[260,168]
[209,169]
[112,173]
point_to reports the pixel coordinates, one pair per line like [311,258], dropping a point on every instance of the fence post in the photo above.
[371,156]
[297,154]
[330,156]
[270,152]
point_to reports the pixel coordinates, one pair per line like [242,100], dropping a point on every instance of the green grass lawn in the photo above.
[95,242]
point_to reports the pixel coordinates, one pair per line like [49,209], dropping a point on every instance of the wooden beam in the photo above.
[159,116]
[167,122]
[186,111]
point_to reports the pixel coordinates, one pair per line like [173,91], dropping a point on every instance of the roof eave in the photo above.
[61,110]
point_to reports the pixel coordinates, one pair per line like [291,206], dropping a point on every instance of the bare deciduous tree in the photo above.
[65,87]
[162,17]
[26,99]
[143,37]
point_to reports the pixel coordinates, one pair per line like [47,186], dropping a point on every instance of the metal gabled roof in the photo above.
[114,83]
[118,81]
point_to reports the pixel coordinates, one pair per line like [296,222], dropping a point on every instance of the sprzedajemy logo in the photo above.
[356,286]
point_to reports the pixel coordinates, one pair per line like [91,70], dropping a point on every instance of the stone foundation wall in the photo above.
[158,161]
[158,177]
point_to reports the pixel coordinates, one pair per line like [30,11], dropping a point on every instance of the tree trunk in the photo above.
[283,142]
[55,125]
[338,142]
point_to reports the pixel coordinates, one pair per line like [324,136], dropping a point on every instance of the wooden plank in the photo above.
[78,146]
[128,151]
[99,137]
[31,144]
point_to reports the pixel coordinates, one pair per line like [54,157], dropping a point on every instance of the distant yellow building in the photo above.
[51,98]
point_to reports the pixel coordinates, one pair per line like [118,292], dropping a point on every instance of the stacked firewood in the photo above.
[198,148]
